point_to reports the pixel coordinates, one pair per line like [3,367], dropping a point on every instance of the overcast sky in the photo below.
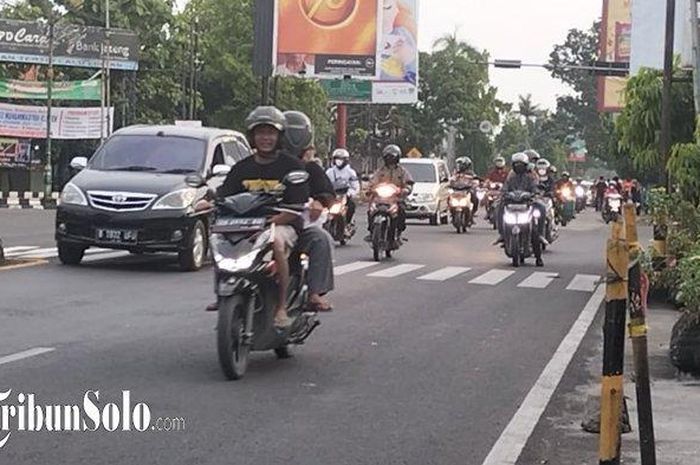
[511,29]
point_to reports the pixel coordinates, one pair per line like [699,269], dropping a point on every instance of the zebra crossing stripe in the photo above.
[351,267]
[15,250]
[38,253]
[395,271]
[493,277]
[539,280]
[105,256]
[444,274]
[584,283]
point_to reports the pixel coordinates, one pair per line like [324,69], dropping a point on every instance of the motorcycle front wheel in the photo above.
[230,331]
[515,251]
[376,241]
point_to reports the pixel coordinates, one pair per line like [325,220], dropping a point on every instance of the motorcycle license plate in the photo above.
[239,224]
[116,236]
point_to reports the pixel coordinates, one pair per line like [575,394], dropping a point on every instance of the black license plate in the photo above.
[116,236]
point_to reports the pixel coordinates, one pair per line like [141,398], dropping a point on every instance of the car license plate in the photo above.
[118,236]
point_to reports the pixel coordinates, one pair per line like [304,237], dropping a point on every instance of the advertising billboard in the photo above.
[74,45]
[615,46]
[60,90]
[316,38]
[66,123]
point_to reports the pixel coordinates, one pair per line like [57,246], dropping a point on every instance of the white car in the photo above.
[429,199]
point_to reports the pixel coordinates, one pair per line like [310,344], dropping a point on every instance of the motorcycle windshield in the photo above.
[247,204]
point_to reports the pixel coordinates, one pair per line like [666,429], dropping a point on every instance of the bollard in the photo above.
[638,334]
[612,397]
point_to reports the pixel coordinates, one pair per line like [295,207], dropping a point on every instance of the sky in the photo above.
[523,30]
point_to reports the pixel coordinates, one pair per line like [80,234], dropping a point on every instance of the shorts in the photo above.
[288,235]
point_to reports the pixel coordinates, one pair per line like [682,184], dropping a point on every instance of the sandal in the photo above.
[283,324]
[318,307]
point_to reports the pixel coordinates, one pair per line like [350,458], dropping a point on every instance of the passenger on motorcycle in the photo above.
[341,174]
[533,157]
[546,183]
[298,142]
[264,172]
[464,174]
[499,172]
[392,172]
[519,179]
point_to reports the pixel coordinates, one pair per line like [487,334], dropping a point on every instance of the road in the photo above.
[426,359]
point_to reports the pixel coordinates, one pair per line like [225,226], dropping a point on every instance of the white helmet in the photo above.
[341,154]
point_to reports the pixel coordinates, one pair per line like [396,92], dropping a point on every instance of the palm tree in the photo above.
[528,109]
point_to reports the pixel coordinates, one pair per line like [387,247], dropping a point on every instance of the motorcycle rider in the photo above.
[564,181]
[298,141]
[499,172]
[342,174]
[464,174]
[520,179]
[600,187]
[534,157]
[263,172]
[391,172]
[546,182]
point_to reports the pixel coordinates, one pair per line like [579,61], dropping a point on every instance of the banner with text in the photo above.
[15,153]
[615,46]
[66,123]
[67,90]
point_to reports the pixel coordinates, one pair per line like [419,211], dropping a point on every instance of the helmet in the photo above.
[553,170]
[519,162]
[463,164]
[391,154]
[543,166]
[565,175]
[265,116]
[298,133]
[532,155]
[499,162]
[341,158]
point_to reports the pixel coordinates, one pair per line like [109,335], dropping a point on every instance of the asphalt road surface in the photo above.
[427,359]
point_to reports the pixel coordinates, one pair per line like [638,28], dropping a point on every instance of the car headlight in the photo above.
[425,197]
[72,195]
[176,200]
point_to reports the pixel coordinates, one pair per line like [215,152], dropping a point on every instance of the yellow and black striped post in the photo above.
[638,334]
[612,397]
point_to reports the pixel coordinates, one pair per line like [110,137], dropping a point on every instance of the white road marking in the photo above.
[584,283]
[25,354]
[510,444]
[38,253]
[351,267]
[493,277]
[445,273]
[539,280]
[395,271]
[105,256]
[15,250]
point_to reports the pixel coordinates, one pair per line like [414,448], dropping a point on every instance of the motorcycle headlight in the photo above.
[336,208]
[233,265]
[177,200]
[536,214]
[386,191]
[72,195]
[510,218]
[480,195]
[615,204]
[580,191]
[566,193]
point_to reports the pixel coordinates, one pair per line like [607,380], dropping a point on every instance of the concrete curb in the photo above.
[29,200]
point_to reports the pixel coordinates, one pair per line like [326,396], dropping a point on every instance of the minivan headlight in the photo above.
[425,197]
[72,195]
[176,200]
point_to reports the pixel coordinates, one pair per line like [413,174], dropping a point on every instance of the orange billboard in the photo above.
[327,38]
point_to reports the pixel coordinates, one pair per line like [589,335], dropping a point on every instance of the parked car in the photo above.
[144,191]
[429,198]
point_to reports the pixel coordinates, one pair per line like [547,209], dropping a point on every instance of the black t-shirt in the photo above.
[319,184]
[250,176]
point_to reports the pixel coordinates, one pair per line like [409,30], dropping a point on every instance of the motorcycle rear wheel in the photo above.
[233,352]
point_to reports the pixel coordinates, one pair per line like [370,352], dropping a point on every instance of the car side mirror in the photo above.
[79,163]
[220,170]
[195,180]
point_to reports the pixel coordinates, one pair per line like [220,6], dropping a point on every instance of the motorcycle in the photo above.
[612,207]
[551,229]
[246,286]
[565,206]
[581,198]
[461,206]
[491,199]
[337,225]
[520,218]
[384,213]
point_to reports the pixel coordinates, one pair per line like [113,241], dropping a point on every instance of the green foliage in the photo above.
[689,274]
[684,169]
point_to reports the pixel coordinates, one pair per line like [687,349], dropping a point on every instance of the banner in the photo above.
[66,123]
[398,60]
[74,45]
[66,90]
[347,90]
[15,153]
[616,46]
[316,38]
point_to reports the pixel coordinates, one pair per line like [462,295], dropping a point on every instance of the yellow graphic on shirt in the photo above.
[263,185]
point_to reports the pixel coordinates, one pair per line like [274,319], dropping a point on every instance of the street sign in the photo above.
[347,90]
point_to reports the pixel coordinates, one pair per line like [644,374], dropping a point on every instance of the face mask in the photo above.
[340,163]
[520,168]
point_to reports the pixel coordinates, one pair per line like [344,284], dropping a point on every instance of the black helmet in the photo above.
[464,164]
[265,116]
[391,154]
[298,133]
[519,161]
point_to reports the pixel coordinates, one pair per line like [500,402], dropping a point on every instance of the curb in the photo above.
[29,201]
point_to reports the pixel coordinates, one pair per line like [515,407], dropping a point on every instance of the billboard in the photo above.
[66,123]
[60,90]
[316,38]
[15,153]
[74,45]
[615,46]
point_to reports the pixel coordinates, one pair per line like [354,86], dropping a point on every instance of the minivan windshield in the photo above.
[421,172]
[150,153]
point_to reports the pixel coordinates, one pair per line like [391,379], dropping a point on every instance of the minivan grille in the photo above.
[120,201]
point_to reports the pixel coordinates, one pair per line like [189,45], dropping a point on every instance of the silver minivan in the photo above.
[429,199]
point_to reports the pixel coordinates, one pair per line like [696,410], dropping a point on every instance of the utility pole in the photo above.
[695,29]
[108,97]
[48,168]
[665,138]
